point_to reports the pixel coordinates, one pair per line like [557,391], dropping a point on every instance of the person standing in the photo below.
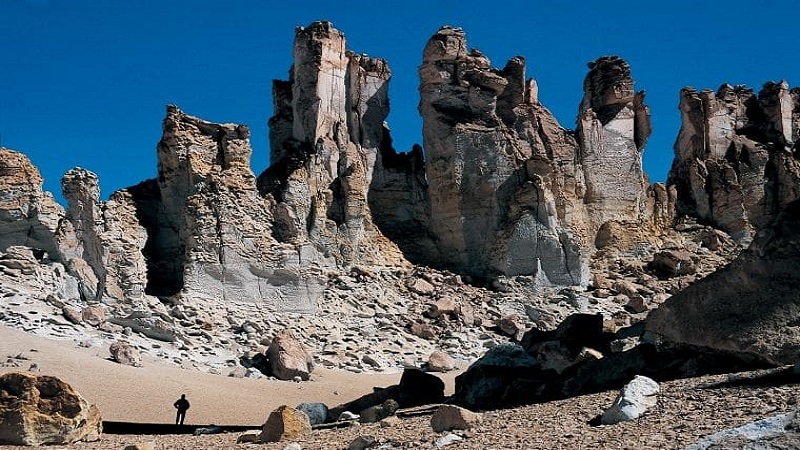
[182,405]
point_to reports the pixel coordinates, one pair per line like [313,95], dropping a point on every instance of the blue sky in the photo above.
[85,82]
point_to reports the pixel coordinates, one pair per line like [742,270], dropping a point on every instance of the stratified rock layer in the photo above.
[735,166]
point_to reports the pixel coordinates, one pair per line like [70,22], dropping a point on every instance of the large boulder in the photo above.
[288,358]
[487,382]
[41,409]
[750,308]
[283,424]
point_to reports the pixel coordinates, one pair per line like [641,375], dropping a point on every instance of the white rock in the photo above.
[447,439]
[634,399]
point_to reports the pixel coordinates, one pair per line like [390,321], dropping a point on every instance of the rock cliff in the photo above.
[341,224]
[511,191]
[326,136]
[735,161]
[209,232]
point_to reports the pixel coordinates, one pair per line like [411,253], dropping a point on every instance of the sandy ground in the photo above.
[687,409]
[145,394]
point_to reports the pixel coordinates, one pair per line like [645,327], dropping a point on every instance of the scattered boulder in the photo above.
[347,416]
[93,315]
[41,409]
[288,358]
[420,286]
[672,263]
[285,423]
[362,442]
[72,314]
[440,361]
[419,388]
[633,400]
[148,324]
[124,353]
[451,417]
[445,305]
[317,412]
[379,412]
[485,383]
[248,438]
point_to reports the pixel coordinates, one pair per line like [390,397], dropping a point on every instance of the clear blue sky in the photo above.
[84,82]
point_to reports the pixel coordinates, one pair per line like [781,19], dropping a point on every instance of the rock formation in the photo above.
[613,127]
[102,242]
[511,191]
[37,410]
[735,161]
[28,216]
[326,135]
[749,308]
[208,231]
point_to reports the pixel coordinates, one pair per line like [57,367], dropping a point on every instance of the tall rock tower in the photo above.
[326,135]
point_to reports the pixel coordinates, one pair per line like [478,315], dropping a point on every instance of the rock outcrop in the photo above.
[735,163]
[28,216]
[38,410]
[749,308]
[102,242]
[511,191]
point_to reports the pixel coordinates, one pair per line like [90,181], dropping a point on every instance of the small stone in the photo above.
[362,442]
[447,439]
[248,438]
[149,445]
[317,412]
[347,416]
[124,353]
[451,417]
[93,315]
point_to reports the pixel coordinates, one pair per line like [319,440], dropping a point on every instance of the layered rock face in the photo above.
[326,136]
[749,308]
[613,127]
[209,232]
[102,242]
[511,191]
[28,216]
[735,161]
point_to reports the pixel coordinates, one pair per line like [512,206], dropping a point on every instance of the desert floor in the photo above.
[688,409]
